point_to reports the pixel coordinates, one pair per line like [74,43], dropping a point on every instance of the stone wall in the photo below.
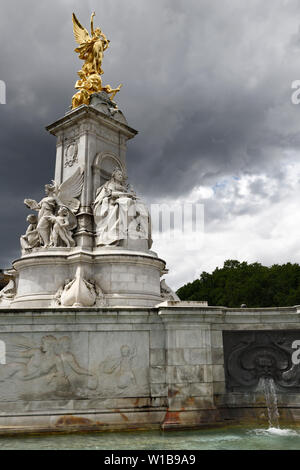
[122,368]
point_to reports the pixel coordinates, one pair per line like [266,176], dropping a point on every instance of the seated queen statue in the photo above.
[120,216]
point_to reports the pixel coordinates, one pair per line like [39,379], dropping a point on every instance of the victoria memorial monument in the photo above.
[91,335]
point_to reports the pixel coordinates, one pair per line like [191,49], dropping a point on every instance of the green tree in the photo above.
[240,283]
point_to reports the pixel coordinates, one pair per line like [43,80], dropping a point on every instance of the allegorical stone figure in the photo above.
[46,209]
[121,367]
[119,214]
[91,49]
[56,214]
[49,368]
[61,228]
[31,238]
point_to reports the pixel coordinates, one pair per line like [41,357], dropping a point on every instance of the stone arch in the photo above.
[103,166]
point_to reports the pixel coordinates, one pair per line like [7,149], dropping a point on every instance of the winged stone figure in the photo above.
[68,192]
[57,196]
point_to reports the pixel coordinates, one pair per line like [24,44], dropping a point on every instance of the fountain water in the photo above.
[271,401]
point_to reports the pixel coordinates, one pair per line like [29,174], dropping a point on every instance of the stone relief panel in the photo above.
[119,371]
[254,355]
[43,367]
[123,367]
[60,366]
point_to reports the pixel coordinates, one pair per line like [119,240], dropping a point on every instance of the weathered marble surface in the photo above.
[116,276]
[119,214]
[94,140]
[112,368]
[90,336]
[90,244]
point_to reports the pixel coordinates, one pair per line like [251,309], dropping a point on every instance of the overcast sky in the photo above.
[207,83]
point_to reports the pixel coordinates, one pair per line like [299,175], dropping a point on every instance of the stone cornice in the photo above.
[84,112]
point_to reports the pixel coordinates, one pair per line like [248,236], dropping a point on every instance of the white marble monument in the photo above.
[88,242]
[91,336]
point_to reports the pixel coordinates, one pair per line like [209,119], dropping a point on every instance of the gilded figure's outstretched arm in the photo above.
[92,24]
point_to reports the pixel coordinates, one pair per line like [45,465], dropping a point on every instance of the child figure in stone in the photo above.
[61,229]
[31,238]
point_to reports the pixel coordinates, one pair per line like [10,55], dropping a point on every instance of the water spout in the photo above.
[271,401]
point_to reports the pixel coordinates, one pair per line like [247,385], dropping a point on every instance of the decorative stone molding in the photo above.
[71,153]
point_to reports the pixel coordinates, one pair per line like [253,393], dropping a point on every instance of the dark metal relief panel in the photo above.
[254,355]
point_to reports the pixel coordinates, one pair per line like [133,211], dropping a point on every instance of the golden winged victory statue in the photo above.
[91,49]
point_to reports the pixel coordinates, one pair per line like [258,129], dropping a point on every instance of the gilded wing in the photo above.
[80,33]
[71,189]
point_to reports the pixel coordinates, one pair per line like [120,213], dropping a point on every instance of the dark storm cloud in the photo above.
[206,83]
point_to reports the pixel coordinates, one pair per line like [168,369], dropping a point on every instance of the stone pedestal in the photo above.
[123,277]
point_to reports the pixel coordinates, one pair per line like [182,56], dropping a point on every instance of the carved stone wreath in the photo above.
[71,154]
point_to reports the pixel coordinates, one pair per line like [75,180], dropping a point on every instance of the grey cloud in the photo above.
[206,83]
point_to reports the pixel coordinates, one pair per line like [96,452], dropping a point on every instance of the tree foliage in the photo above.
[240,283]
